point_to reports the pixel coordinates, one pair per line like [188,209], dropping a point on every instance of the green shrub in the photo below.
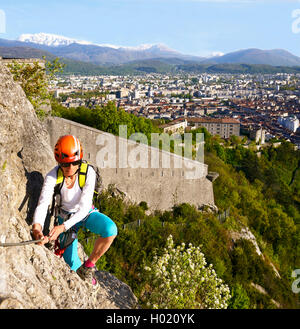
[180,279]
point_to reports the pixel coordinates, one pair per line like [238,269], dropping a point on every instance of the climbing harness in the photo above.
[67,238]
[82,174]
[58,250]
[23,243]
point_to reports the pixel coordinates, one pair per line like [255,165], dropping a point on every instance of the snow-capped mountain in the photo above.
[51,40]
[54,40]
[107,54]
[96,53]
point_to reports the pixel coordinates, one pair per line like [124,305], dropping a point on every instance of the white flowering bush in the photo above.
[180,278]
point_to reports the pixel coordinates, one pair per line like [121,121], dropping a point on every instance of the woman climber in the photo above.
[73,180]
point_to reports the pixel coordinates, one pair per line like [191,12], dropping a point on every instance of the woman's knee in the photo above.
[101,224]
[109,230]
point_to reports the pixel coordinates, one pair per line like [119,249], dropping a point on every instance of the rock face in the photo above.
[245,233]
[33,276]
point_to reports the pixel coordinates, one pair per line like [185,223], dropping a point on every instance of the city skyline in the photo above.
[194,27]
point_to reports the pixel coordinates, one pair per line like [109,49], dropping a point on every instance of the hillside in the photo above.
[173,65]
[275,57]
[253,243]
[252,247]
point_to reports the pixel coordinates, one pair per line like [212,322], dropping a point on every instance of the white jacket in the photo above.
[72,200]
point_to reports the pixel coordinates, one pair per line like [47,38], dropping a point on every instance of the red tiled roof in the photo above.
[213,120]
[172,123]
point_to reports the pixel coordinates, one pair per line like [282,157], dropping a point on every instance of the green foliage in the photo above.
[106,118]
[83,95]
[179,278]
[33,81]
[53,67]
[240,298]
[143,205]
[167,66]
[184,211]
[236,264]
[262,193]
[34,78]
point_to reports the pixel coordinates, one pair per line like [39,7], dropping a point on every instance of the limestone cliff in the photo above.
[32,276]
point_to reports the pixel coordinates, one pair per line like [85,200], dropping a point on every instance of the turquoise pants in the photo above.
[95,222]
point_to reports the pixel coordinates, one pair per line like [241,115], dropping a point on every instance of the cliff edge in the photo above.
[32,276]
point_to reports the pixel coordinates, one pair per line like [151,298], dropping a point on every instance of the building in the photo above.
[290,122]
[111,97]
[224,127]
[177,125]
[122,93]
[150,92]
[136,94]
[258,134]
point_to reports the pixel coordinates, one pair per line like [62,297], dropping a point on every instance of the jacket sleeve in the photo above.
[86,199]
[45,197]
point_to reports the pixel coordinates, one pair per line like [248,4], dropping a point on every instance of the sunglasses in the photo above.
[75,163]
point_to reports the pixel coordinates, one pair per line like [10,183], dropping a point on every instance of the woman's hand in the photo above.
[38,234]
[56,231]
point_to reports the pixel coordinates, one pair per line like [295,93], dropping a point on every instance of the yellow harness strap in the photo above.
[60,176]
[82,174]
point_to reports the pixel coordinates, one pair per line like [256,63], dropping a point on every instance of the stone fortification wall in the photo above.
[142,172]
[32,61]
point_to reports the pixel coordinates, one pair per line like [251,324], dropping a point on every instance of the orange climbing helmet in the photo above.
[68,149]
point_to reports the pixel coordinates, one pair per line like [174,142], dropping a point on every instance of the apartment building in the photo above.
[224,127]
[290,122]
[177,125]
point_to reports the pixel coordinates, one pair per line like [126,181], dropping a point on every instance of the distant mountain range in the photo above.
[275,57]
[101,54]
[58,40]
[144,58]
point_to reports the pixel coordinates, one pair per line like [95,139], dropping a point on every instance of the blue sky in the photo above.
[198,27]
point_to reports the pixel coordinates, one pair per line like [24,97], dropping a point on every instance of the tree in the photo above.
[34,80]
[235,140]
[180,279]
[239,299]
